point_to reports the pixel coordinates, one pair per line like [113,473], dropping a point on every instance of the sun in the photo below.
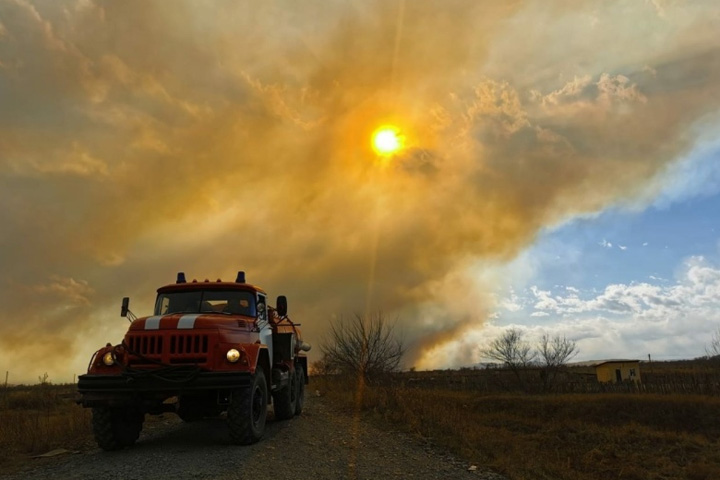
[387,140]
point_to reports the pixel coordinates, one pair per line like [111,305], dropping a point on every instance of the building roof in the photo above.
[597,363]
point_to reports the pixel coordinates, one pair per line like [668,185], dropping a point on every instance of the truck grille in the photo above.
[174,349]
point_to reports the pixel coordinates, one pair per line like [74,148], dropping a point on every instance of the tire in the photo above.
[115,428]
[285,399]
[247,411]
[300,381]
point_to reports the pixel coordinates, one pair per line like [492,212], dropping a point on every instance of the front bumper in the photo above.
[149,386]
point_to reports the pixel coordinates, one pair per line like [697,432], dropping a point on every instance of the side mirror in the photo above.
[125,307]
[282,305]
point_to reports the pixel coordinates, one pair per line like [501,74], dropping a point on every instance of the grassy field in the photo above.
[37,419]
[524,436]
[581,436]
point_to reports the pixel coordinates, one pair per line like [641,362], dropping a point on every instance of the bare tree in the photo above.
[322,367]
[713,349]
[554,353]
[510,349]
[363,346]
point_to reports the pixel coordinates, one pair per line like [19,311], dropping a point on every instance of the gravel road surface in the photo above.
[322,443]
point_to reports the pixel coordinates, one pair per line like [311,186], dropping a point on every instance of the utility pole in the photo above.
[7,374]
[650,361]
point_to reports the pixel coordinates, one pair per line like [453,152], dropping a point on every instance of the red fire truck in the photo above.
[210,348]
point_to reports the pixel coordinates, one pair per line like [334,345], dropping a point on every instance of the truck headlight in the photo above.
[233,355]
[108,359]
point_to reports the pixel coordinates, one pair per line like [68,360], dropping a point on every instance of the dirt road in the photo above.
[322,443]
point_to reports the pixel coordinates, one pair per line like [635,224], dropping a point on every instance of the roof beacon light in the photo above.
[241,277]
[181,277]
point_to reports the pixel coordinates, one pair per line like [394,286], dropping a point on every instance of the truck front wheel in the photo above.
[248,410]
[115,428]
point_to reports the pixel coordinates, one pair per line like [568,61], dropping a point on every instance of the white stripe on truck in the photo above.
[187,321]
[153,323]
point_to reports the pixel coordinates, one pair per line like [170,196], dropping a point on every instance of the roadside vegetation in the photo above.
[39,418]
[529,417]
[550,436]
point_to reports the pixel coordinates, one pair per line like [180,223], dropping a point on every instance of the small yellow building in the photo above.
[615,370]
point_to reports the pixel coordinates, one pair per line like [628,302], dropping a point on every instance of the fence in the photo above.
[533,381]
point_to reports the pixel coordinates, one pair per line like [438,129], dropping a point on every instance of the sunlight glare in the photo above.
[387,140]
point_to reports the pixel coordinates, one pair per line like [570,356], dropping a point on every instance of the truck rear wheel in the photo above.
[300,401]
[285,399]
[248,410]
[115,428]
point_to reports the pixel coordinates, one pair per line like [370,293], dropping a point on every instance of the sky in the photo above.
[559,171]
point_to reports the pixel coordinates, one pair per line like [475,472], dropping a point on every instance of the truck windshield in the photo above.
[210,301]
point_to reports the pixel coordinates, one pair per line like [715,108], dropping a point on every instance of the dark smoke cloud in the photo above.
[142,138]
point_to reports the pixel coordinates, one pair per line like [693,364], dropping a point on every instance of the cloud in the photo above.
[139,139]
[512,302]
[569,92]
[618,88]
[679,317]
[697,176]
[67,291]
[75,162]
[637,298]
[626,321]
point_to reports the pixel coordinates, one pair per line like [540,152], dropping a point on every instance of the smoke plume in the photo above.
[141,138]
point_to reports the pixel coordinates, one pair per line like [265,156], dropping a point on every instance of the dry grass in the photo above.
[40,418]
[588,436]
[594,436]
